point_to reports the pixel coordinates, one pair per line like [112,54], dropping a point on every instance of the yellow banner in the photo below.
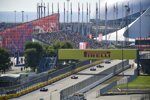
[96,54]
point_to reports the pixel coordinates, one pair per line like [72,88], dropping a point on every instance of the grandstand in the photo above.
[74,39]
[4,25]
[14,38]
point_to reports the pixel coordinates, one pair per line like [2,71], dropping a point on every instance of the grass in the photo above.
[142,82]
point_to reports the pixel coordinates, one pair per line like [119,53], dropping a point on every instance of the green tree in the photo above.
[50,51]
[35,45]
[62,45]
[67,45]
[37,50]
[5,62]
[31,59]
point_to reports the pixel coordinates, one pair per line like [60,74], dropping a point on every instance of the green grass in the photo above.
[142,82]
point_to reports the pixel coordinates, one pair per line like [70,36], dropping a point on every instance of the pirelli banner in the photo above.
[96,54]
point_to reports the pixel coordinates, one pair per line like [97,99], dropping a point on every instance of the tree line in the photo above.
[33,53]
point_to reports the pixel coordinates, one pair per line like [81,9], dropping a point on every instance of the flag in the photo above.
[114,8]
[87,9]
[64,12]
[71,12]
[90,36]
[82,45]
[78,12]
[78,8]
[96,9]
[58,7]
[100,37]
[71,7]
[106,7]
[64,7]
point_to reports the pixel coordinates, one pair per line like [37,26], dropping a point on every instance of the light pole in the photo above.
[67,10]
[27,18]
[15,16]
[51,93]
[127,9]
[22,16]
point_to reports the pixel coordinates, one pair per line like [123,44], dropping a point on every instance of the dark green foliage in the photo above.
[34,52]
[62,45]
[31,58]
[5,62]
[37,55]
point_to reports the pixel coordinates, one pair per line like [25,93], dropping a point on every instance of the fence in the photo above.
[91,82]
[115,83]
[43,77]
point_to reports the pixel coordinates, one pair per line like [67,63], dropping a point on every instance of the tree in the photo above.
[67,45]
[37,50]
[30,58]
[35,45]
[62,45]
[50,51]
[5,62]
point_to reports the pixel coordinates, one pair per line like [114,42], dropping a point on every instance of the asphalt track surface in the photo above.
[54,89]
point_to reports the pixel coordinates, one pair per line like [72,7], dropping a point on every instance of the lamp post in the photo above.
[127,10]
[15,16]
[22,16]
[67,10]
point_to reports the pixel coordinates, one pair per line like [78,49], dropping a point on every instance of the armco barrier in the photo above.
[30,89]
[86,84]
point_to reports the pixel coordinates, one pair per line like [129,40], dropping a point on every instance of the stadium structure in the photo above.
[15,37]
[48,29]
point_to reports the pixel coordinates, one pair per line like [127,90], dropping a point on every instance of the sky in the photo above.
[30,6]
